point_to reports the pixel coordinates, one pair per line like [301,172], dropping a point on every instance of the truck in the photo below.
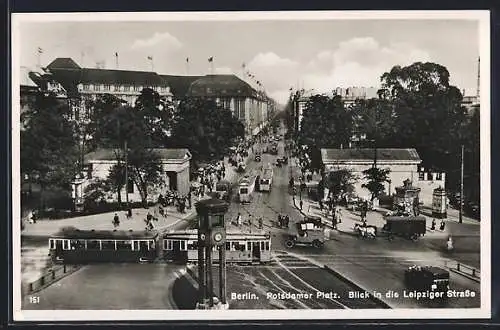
[411,227]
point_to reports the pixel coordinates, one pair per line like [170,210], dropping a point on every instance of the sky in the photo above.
[317,55]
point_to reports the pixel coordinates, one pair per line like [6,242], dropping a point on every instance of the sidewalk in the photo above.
[374,218]
[103,221]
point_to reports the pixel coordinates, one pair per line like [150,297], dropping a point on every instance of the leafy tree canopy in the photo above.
[207,129]
[48,142]
[325,122]
[376,178]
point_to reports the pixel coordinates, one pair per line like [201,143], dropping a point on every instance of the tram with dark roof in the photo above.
[74,246]
[241,247]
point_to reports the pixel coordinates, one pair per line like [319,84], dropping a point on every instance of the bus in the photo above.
[246,188]
[181,246]
[74,246]
[266,179]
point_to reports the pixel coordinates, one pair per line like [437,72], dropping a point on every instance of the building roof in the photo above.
[335,155]
[163,153]
[104,76]
[179,85]
[69,75]
[221,85]
[63,63]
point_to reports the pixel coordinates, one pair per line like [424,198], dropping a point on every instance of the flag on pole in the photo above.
[150,58]
[187,59]
[40,50]
[243,65]
[116,54]
[211,59]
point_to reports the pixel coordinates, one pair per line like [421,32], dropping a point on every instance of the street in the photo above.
[373,264]
[344,265]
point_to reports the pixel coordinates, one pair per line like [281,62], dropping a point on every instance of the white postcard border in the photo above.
[484,311]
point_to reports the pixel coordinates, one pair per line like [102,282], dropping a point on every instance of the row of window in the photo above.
[183,245]
[119,88]
[98,244]
[430,176]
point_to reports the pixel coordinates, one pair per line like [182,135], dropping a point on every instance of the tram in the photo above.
[246,188]
[266,180]
[182,246]
[74,246]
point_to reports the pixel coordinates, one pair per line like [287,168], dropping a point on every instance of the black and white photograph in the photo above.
[251,165]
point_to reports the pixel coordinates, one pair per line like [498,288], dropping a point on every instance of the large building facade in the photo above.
[403,164]
[66,78]
[253,108]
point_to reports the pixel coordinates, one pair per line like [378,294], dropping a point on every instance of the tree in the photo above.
[325,122]
[207,129]
[145,171]
[158,115]
[375,118]
[116,178]
[98,110]
[340,181]
[126,130]
[427,110]
[48,145]
[376,178]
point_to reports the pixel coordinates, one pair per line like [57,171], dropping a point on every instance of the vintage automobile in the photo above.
[241,167]
[258,157]
[427,278]
[309,231]
[223,188]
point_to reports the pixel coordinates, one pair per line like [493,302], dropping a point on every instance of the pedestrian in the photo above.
[261,223]
[433,224]
[287,220]
[441,225]
[239,220]
[334,220]
[190,199]
[31,218]
[149,216]
[301,204]
[339,215]
[116,220]
[449,243]
[129,213]
[320,205]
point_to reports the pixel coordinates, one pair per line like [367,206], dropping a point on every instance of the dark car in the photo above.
[258,157]
[472,209]
[427,278]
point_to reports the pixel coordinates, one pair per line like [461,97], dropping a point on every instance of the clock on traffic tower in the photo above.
[211,233]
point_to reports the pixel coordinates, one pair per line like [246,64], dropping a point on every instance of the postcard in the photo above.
[251,165]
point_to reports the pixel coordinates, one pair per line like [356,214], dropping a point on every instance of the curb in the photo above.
[470,277]
[73,270]
[350,282]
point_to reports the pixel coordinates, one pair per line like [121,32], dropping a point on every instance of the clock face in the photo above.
[218,237]
[202,237]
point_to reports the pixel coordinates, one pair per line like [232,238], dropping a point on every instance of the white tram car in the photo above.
[182,246]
